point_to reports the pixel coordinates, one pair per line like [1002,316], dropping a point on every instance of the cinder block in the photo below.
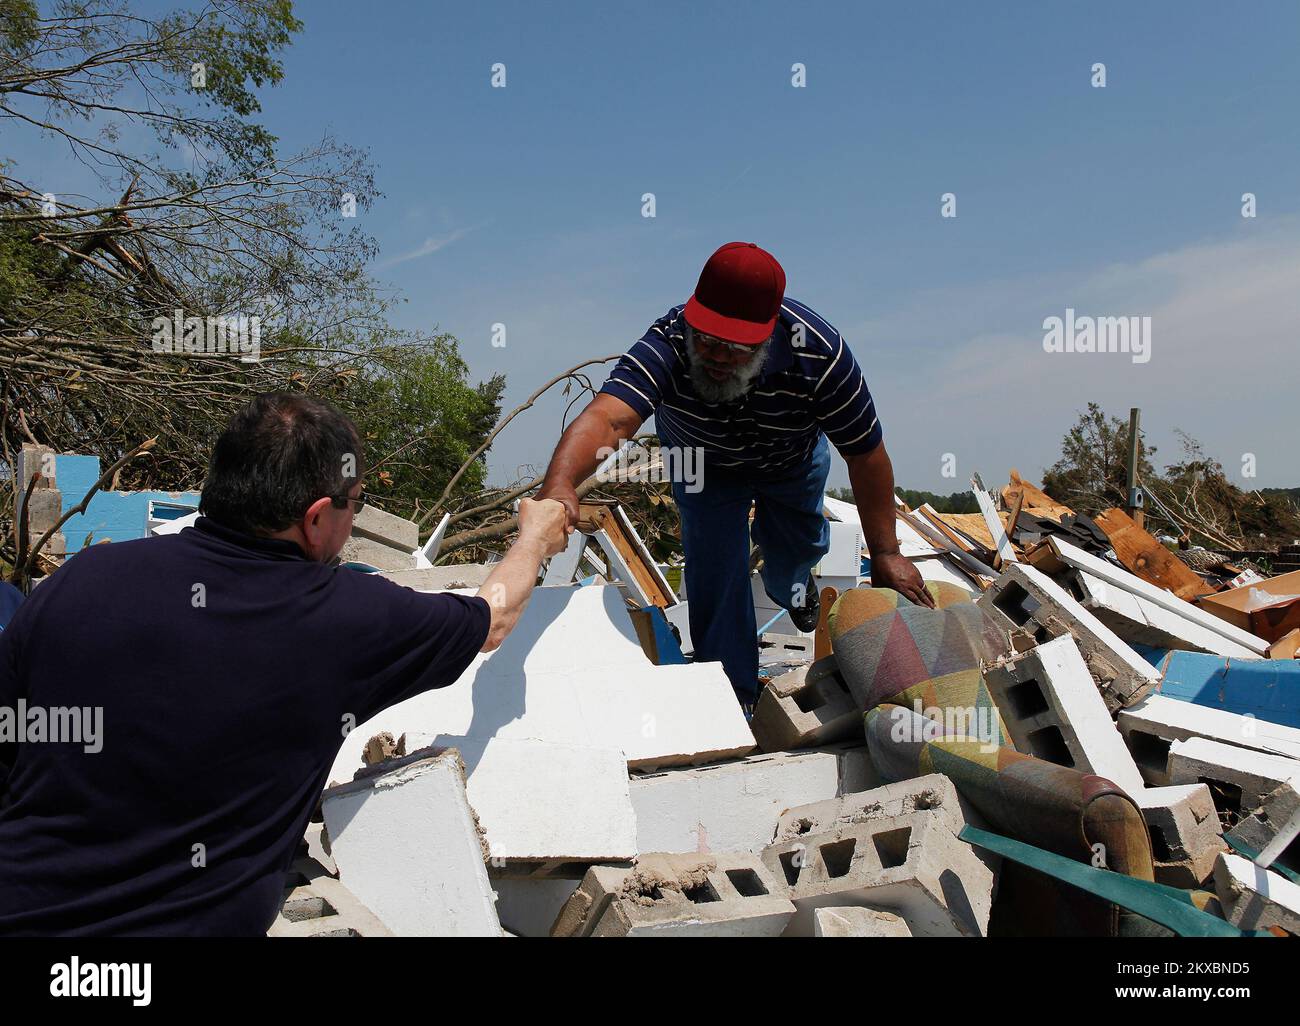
[910,865]
[1139,621]
[1186,836]
[394,531]
[383,557]
[728,807]
[1254,898]
[1152,725]
[38,459]
[541,802]
[317,905]
[407,845]
[667,895]
[44,508]
[808,706]
[1053,711]
[1023,598]
[857,922]
[1239,779]
[1262,825]
[933,792]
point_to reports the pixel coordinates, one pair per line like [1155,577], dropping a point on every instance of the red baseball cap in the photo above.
[739,294]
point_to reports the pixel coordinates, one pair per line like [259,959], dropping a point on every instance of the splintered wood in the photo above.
[1146,557]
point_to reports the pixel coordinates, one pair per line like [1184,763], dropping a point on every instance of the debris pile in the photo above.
[1084,736]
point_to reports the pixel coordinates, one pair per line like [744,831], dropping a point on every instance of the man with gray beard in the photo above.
[757,383]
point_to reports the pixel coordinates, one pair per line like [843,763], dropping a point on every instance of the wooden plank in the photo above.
[1037,500]
[602,522]
[972,527]
[822,636]
[930,514]
[963,557]
[1147,558]
[1013,515]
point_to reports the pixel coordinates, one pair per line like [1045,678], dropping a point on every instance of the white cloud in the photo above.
[964,370]
[430,245]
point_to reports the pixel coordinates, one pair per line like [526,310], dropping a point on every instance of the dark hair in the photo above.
[277,456]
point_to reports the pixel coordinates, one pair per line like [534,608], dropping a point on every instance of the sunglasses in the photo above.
[357,504]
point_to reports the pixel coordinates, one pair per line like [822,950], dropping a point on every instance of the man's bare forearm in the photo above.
[599,429]
[509,586]
[581,448]
[871,476]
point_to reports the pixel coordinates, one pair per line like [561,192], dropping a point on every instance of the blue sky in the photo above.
[522,205]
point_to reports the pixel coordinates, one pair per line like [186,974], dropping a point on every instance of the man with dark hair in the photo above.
[222,667]
[756,383]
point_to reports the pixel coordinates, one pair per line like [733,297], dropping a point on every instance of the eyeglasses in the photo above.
[710,342]
[357,504]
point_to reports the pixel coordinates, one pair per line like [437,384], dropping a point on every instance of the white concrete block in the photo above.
[1186,835]
[1254,898]
[1152,725]
[1242,777]
[931,792]
[677,895]
[729,807]
[858,922]
[1140,621]
[573,672]
[910,865]
[1260,828]
[386,528]
[1077,558]
[1053,710]
[1026,599]
[406,844]
[537,800]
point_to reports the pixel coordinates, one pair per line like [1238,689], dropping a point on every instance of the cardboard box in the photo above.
[1268,609]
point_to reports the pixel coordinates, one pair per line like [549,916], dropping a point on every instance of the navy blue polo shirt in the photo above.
[228,670]
[810,384]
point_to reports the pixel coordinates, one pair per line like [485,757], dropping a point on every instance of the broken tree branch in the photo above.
[526,404]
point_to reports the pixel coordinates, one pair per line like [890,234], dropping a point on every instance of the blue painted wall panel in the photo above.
[118,516]
[1268,689]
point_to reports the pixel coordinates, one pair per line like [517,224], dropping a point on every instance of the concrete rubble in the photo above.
[677,895]
[911,865]
[588,780]
[854,921]
[407,844]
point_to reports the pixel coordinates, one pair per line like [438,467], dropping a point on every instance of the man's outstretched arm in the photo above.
[599,429]
[542,533]
[871,474]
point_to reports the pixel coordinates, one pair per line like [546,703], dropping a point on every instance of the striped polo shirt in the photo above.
[803,390]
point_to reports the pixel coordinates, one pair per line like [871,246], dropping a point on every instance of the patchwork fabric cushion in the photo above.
[890,650]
